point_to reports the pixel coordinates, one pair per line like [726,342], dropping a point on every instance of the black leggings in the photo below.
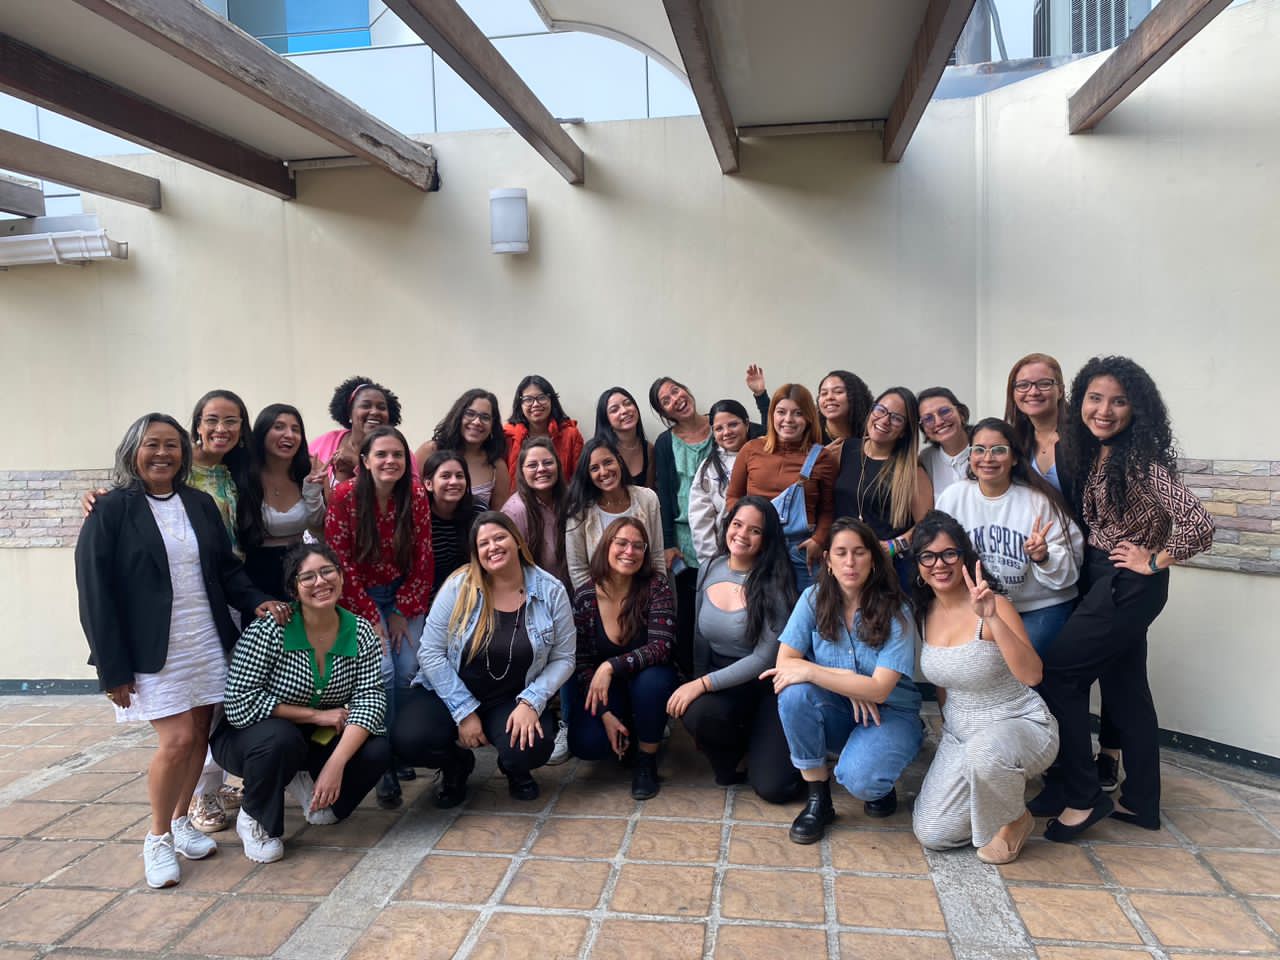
[725,724]
[425,735]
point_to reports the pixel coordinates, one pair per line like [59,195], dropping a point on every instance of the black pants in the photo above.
[685,585]
[265,567]
[1106,640]
[726,724]
[268,754]
[425,735]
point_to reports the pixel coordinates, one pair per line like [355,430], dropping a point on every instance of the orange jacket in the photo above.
[564,437]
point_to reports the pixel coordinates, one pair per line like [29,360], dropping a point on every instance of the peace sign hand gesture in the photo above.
[319,471]
[981,595]
[1036,545]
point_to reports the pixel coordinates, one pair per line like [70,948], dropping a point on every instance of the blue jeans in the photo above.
[799,563]
[399,667]
[818,722]
[1044,625]
[639,701]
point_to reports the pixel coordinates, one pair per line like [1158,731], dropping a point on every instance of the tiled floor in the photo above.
[588,872]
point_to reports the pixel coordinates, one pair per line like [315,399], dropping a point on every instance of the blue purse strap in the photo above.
[814,452]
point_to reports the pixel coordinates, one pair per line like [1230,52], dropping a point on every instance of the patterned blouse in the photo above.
[1159,513]
[216,481]
[413,596]
[274,665]
[660,633]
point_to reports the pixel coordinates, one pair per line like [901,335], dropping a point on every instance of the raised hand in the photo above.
[319,470]
[755,378]
[1036,545]
[981,596]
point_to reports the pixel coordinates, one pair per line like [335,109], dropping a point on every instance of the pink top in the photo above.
[326,445]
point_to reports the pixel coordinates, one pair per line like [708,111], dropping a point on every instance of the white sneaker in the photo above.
[159,863]
[190,842]
[561,752]
[302,788]
[258,846]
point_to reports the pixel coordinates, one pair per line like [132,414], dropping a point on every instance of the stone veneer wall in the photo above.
[41,508]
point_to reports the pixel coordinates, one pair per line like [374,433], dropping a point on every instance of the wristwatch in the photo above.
[1155,567]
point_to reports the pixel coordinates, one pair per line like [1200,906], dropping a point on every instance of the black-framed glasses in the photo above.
[897,419]
[535,399]
[942,413]
[475,416]
[308,577]
[998,450]
[930,557]
[1044,386]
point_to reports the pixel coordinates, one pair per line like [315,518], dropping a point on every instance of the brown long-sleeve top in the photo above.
[1158,513]
[768,474]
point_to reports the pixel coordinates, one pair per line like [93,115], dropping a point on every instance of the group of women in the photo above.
[768,585]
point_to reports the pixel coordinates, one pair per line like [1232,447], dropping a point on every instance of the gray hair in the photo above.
[125,471]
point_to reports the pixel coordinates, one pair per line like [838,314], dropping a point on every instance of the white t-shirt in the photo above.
[944,469]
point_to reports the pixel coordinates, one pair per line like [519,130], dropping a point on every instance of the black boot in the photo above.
[812,821]
[387,791]
[644,776]
[453,780]
[886,806]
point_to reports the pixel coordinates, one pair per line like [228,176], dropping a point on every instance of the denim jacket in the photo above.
[551,634]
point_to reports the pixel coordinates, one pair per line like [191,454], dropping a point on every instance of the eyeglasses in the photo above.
[942,413]
[212,423]
[897,419]
[929,557]
[999,450]
[308,577]
[630,546]
[1024,386]
[475,416]
[535,399]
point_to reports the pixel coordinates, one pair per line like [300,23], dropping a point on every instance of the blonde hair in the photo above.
[475,579]
[903,476]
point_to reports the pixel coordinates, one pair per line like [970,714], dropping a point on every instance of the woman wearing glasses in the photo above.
[944,421]
[472,427]
[996,732]
[1035,405]
[536,412]
[1021,528]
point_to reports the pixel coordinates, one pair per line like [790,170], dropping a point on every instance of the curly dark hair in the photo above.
[448,432]
[294,559]
[879,601]
[935,524]
[344,396]
[1147,440]
[860,401]
[770,587]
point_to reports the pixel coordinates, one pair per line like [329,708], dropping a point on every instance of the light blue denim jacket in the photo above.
[552,635]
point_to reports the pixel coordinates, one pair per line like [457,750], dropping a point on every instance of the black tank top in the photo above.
[858,485]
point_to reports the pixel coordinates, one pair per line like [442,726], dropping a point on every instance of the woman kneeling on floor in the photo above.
[304,709]
[996,732]
[843,680]
[498,644]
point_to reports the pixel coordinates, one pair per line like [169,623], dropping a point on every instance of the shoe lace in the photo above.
[259,832]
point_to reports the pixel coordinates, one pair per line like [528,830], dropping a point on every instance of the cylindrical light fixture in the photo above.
[509,220]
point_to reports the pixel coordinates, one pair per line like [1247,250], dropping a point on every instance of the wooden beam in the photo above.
[34,76]
[190,32]
[1168,26]
[447,30]
[810,127]
[689,27]
[48,162]
[943,23]
[21,197]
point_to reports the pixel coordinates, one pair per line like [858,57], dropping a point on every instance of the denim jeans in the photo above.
[639,701]
[1044,625]
[871,758]
[799,562]
[399,667]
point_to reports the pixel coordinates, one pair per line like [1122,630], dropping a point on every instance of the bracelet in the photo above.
[892,548]
[706,684]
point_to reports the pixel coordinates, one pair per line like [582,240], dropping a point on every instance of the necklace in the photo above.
[511,648]
[862,475]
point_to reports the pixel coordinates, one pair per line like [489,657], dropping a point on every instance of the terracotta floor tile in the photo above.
[770,846]
[1045,862]
[633,939]
[16,953]
[30,861]
[897,904]
[133,791]
[303,873]
[29,759]
[110,866]
[14,736]
[670,840]
[1062,914]
[849,812]
[398,932]
[558,884]
[669,891]
[8,776]
[1224,828]
[877,851]
[45,916]
[1109,830]
[772,895]
[245,928]
[747,806]
[1192,790]
[1269,910]
[142,921]
[221,873]
[768,943]
[486,833]
[95,710]
[13,712]
[7,893]
[79,735]
[1156,868]
[128,760]
[569,837]
[869,946]
[682,801]
[1090,953]
[589,798]
[21,818]
[102,821]
[1204,922]
[362,829]
[508,936]
[83,787]
[455,879]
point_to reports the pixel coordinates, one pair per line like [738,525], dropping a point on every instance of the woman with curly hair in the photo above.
[473,427]
[1141,521]
[359,406]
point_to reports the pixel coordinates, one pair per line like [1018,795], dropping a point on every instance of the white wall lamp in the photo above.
[56,240]
[509,220]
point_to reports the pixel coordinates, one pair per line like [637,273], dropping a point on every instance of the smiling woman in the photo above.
[358,405]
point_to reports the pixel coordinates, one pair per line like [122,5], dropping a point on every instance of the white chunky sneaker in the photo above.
[189,841]
[258,846]
[159,862]
[561,752]
[302,788]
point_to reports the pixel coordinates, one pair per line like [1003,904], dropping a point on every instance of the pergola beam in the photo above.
[943,23]
[48,162]
[689,27]
[455,39]
[1165,30]
[21,198]
[193,34]
[34,76]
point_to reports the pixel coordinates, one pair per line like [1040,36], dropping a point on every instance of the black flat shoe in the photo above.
[387,792]
[522,787]
[811,823]
[453,781]
[1059,832]
[886,806]
[406,773]
[1047,803]
[1124,816]
[1108,768]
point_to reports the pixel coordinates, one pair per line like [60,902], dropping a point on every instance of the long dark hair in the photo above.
[558,416]
[934,524]
[466,506]
[236,459]
[713,460]
[879,601]
[251,499]
[633,614]
[1021,471]
[860,401]
[656,387]
[604,428]
[533,504]
[344,398]
[448,432]
[583,493]
[368,543]
[1023,429]
[770,587]
[1147,440]
[962,410]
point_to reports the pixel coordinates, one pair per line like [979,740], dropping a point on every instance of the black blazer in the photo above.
[126,597]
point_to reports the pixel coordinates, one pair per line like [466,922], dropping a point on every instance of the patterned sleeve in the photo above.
[248,698]
[414,596]
[340,533]
[368,705]
[1192,525]
[584,621]
[661,632]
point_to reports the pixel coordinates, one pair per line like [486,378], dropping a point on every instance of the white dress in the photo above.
[195,670]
